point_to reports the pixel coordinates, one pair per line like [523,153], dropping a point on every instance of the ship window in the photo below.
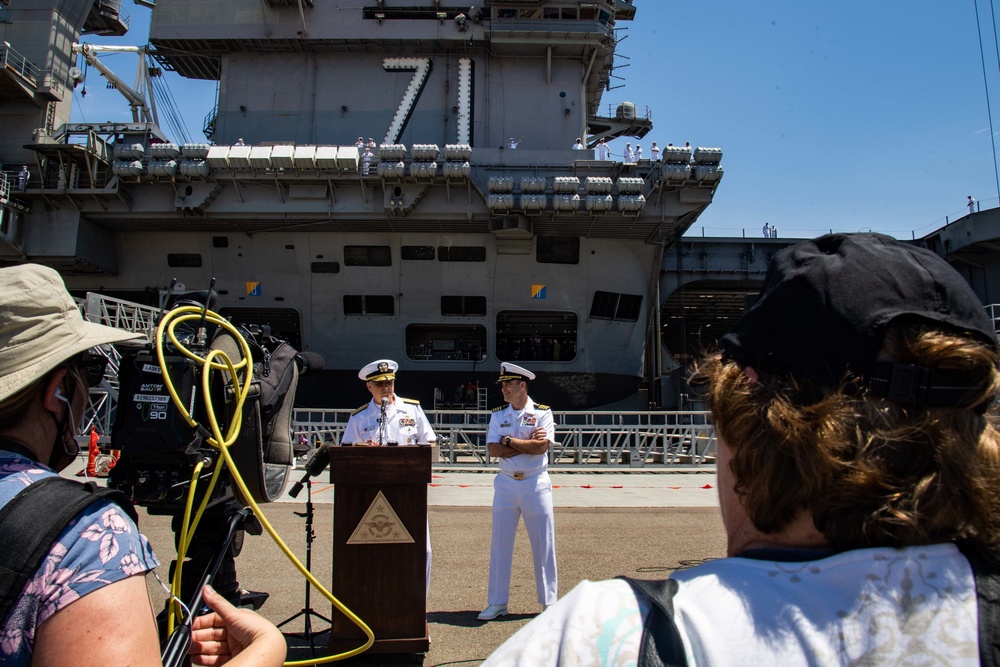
[417,252]
[369,304]
[367,255]
[283,323]
[560,13]
[183,260]
[558,250]
[617,307]
[463,305]
[461,253]
[325,267]
[459,342]
[517,13]
[536,335]
[220,241]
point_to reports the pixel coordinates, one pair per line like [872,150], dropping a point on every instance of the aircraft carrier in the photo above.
[465,230]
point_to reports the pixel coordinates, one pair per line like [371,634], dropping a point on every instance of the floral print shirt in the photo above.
[100,546]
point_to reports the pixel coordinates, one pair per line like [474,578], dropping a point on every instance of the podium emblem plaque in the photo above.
[380,525]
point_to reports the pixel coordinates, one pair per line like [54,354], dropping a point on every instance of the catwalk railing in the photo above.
[633,439]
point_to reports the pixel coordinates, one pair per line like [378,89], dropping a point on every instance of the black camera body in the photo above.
[160,449]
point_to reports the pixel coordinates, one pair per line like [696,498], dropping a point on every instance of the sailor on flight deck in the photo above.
[520,434]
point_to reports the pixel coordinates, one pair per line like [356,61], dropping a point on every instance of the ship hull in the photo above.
[448,308]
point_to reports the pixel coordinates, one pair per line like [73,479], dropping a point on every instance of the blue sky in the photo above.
[843,116]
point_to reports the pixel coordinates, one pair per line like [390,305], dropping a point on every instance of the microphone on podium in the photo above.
[381,422]
[317,463]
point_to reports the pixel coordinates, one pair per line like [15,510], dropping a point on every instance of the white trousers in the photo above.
[532,498]
[428,557]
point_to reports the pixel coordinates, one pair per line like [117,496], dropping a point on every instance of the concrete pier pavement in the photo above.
[597,486]
[608,522]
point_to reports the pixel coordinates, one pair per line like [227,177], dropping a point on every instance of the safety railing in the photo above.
[632,439]
[14,62]
[993,312]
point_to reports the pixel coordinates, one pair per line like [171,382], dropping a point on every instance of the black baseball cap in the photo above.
[826,304]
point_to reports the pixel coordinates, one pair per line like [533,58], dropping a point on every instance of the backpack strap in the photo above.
[986,570]
[661,644]
[31,522]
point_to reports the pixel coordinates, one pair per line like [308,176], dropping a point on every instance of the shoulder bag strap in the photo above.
[661,640]
[31,522]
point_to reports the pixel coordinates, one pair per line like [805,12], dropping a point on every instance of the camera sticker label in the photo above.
[150,398]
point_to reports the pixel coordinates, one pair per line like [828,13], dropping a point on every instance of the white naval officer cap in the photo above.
[377,371]
[512,372]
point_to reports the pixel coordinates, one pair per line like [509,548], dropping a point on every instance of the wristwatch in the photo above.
[506,441]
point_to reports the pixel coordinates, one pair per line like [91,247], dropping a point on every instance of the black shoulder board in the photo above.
[361,409]
[500,407]
[539,406]
[411,401]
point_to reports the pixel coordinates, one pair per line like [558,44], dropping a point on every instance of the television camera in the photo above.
[204,426]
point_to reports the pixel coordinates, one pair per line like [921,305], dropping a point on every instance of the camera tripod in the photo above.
[307,611]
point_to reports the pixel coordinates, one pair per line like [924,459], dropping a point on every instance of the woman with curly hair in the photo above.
[858,475]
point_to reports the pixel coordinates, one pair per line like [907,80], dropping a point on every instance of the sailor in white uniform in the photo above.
[389,420]
[603,151]
[405,422]
[520,434]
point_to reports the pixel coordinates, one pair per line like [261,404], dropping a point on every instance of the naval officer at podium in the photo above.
[388,420]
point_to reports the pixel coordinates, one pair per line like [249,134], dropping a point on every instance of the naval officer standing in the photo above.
[520,434]
[389,419]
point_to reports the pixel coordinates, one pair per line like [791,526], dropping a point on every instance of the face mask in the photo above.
[64,446]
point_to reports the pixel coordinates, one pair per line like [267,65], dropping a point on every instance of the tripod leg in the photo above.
[307,611]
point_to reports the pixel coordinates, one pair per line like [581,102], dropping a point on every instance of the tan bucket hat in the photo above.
[41,326]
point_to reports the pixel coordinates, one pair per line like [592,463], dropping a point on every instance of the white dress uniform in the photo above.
[522,487]
[405,424]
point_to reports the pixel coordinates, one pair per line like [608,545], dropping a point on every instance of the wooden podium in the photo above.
[380,546]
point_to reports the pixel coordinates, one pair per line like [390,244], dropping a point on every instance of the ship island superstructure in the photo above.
[465,231]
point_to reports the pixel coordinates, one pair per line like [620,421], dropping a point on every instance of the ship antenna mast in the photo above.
[982,56]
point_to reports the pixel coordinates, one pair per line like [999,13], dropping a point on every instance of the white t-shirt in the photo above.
[914,606]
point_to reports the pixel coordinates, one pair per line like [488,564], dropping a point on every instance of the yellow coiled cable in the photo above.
[166,329]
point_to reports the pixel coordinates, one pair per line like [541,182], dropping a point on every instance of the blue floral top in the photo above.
[101,546]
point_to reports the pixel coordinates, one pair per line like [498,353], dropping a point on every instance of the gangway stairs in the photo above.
[120,314]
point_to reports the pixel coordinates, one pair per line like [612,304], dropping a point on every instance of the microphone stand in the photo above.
[381,423]
[316,464]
